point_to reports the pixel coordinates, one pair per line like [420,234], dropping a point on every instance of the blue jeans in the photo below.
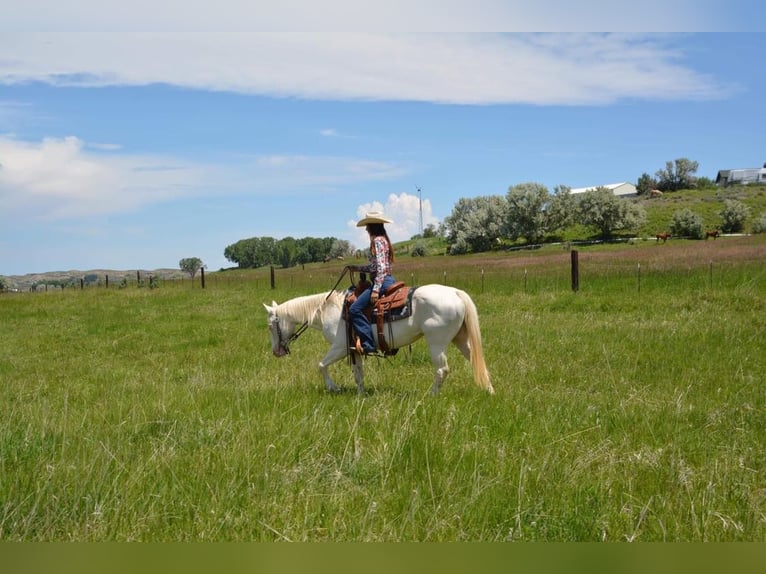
[359,319]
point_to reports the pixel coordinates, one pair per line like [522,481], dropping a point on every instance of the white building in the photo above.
[623,189]
[741,176]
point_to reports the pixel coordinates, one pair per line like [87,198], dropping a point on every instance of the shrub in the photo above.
[419,251]
[686,223]
[733,215]
[460,247]
[759,225]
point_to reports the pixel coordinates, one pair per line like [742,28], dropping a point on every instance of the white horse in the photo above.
[441,314]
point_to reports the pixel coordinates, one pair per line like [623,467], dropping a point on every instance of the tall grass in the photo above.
[620,414]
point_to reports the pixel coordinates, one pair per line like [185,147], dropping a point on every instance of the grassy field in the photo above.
[633,410]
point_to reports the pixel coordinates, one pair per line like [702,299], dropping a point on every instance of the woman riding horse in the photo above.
[379,268]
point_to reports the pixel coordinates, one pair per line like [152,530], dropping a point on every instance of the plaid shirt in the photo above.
[380,262]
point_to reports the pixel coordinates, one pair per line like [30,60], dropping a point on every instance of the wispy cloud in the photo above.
[333,133]
[399,15]
[59,178]
[542,69]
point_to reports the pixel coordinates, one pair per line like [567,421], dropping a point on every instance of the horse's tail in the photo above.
[471,325]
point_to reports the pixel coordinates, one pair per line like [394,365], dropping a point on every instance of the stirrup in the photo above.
[360,351]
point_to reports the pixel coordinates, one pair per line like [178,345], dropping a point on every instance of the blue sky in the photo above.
[126,150]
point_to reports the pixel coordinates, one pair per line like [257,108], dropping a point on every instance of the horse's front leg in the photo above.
[333,356]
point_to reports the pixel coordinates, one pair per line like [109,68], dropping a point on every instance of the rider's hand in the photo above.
[374,298]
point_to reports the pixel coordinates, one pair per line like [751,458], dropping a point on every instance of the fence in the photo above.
[630,272]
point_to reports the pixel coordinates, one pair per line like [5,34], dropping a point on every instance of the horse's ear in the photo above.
[274,304]
[268,309]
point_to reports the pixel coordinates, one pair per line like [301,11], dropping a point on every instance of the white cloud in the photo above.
[392,15]
[444,68]
[404,211]
[60,178]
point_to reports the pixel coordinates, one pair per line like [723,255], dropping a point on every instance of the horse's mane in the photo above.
[305,308]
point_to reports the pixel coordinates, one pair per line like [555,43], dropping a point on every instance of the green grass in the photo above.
[707,203]
[620,414]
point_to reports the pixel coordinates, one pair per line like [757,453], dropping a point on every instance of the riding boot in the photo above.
[361,324]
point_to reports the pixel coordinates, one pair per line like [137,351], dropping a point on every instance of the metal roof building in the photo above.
[741,176]
[623,189]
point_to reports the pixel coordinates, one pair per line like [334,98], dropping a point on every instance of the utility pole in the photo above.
[420,201]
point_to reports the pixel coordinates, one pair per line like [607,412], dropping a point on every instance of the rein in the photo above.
[285,344]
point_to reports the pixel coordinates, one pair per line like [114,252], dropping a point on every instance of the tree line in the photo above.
[287,252]
[531,212]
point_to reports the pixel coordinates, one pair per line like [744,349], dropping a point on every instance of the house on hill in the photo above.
[741,176]
[623,189]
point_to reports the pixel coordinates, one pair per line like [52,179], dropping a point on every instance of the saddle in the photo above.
[396,304]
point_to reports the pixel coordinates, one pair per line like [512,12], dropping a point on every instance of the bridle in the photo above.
[284,343]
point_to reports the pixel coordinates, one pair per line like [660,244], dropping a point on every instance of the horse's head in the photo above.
[281,331]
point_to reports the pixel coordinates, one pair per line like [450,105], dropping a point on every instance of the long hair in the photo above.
[379,230]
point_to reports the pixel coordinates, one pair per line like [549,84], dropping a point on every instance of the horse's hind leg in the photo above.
[358,368]
[441,369]
[461,342]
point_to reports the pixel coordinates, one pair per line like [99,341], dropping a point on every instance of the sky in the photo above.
[129,142]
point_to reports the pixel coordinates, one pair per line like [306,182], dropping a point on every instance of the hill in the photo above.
[706,202]
[57,278]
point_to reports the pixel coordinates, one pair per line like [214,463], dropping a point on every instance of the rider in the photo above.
[379,268]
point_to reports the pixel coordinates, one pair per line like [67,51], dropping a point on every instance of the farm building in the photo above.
[623,189]
[741,176]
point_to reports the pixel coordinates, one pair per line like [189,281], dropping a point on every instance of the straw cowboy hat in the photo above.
[373,217]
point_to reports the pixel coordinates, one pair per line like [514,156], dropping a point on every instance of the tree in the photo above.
[525,213]
[430,231]
[561,208]
[191,265]
[241,252]
[285,251]
[340,248]
[734,214]
[601,209]
[645,184]
[475,224]
[677,175]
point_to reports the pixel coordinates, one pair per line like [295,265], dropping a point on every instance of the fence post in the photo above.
[107,281]
[639,278]
[575,271]
[202,277]
[272,276]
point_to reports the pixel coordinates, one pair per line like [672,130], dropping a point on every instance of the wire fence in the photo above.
[568,271]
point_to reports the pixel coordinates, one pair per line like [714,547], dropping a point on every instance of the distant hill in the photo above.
[56,278]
